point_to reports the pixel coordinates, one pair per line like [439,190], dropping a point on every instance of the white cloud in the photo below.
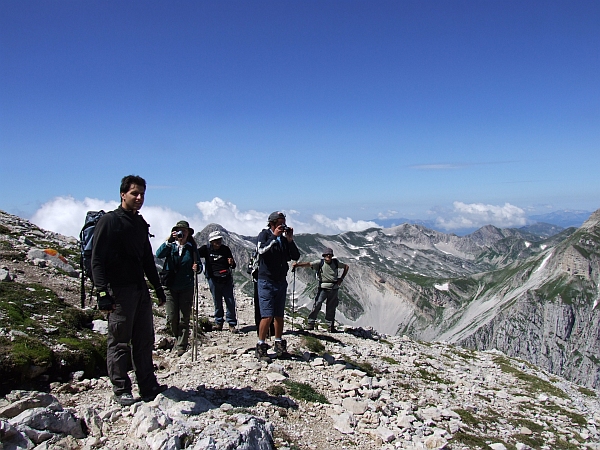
[66,215]
[386,215]
[226,214]
[326,225]
[475,215]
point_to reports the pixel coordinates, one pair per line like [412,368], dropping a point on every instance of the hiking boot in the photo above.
[124,399]
[218,327]
[310,326]
[261,352]
[151,395]
[281,348]
[331,328]
[233,329]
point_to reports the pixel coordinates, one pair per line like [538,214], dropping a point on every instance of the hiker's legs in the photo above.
[172,311]
[230,303]
[120,328]
[216,290]
[185,299]
[131,321]
[271,297]
[319,299]
[278,326]
[331,305]
[142,343]
[263,328]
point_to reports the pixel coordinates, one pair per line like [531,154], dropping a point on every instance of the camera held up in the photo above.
[179,234]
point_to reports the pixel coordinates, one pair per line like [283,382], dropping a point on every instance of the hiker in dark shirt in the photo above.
[218,266]
[180,268]
[121,256]
[276,247]
[329,285]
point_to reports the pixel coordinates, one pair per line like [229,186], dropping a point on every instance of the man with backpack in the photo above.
[329,283]
[218,266]
[275,247]
[121,256]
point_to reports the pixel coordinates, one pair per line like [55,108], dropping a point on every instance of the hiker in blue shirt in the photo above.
[178,276]
[329,284]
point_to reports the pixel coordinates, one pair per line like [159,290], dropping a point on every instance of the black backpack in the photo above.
[252,268]
[86,237]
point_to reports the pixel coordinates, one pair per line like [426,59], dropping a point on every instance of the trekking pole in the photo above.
[293,298]
[195,321]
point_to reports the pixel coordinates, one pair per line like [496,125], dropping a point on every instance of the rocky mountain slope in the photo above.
[531,296]
[358,388]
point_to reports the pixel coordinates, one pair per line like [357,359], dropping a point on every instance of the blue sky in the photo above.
[335,111]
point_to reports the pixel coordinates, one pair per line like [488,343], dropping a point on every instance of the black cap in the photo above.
[327,251]
[274,216]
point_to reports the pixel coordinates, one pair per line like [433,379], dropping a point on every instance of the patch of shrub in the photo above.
[30,351]
[83,354]
[366,367]
[276,390]
[304,391]
[586,391]
[313,344]
[533,383]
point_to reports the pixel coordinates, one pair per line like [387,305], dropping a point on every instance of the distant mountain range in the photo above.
[531,292]
[561,219]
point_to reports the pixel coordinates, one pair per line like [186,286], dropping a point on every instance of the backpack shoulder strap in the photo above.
[320,271]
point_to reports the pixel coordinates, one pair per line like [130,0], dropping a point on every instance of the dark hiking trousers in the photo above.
[179,310]
[131,336]
[325,295]
[223,291]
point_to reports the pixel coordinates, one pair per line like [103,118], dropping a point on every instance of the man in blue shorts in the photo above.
[276,247]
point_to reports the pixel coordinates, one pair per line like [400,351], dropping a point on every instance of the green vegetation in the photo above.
[471,441]
[364,366]
[467,417]
[304,391]
[389,360]
[276,390]
[431,376]
[313,344]
[29,351]
[51,337]
[586,391]
[577,419]
[568,289]
[349,305]
[532,382]
[233,411]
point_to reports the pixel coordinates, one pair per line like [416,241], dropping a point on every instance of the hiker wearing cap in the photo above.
[219,263]
[178,276]
[122,258]
[275,248]
[329,284]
